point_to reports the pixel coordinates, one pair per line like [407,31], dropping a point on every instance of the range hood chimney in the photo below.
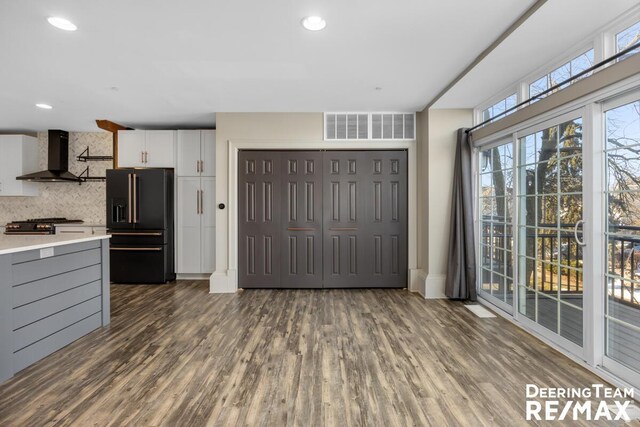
[58,161]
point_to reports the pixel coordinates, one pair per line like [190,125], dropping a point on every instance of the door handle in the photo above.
[130,204]
[146,157]
[135,198]
[136,249]
[142,157]
[197,165]
[136,234]
[201,166]
[202,201]
[575,233]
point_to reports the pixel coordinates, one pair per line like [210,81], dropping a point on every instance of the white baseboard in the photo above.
[417,278]
[434,286]
[223,283]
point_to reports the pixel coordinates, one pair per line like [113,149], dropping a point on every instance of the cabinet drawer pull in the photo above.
[300,229]
[72,232]
[343,229]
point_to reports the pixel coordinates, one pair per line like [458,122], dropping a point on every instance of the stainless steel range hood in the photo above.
[58,165]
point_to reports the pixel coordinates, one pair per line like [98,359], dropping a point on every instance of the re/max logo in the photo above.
[552,410]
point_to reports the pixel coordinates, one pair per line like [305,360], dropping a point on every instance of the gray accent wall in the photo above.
[47,303]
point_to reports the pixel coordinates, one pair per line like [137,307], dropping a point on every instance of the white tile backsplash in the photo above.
[70,200]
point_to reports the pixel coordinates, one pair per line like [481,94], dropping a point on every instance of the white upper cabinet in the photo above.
[196,153]
[188,153]
[208,150]
[160,149]
[131,148]
[19,157]
[146,148]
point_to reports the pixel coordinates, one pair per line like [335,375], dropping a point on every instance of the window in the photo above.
[499,107]
[627,38]
[562,73]
[496,189]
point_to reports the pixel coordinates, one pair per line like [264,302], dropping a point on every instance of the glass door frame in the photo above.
[601,358]
[508,308]
[587,202]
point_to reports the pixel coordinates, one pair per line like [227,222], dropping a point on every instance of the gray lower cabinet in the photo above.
[314,219]
[47,303]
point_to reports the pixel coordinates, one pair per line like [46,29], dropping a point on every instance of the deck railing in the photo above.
[560,251]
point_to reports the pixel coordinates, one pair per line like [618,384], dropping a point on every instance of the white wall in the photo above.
[437,141]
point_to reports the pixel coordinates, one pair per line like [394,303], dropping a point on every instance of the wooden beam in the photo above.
[112,127]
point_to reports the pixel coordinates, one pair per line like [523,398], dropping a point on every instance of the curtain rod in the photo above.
[554,87]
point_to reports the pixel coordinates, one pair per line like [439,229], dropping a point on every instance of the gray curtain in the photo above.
[461,271]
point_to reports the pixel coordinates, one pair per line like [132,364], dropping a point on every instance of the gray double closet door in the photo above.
[322,219]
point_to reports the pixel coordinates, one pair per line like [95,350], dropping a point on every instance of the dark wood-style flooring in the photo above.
[175,355]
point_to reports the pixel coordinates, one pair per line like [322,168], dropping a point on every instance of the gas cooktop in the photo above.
[37,225]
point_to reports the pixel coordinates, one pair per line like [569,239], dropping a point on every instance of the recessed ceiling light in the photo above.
[44,106]
[62,23]
[314,23]
[378,88]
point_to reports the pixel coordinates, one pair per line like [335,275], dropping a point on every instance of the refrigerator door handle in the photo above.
[135,234]
[130,203]
[135,198]
[135,249]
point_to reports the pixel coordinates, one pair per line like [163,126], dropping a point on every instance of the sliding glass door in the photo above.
[542,192]
[622,237]
[550,206]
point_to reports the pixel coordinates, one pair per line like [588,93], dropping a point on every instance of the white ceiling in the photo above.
[176,63]
[543,38]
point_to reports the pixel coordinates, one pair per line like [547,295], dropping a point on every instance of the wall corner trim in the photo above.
[434,286]
[417,281]
[223,283]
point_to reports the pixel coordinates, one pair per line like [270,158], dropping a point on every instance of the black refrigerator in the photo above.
[140,206]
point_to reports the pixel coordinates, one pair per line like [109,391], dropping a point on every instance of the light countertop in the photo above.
[20,243]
